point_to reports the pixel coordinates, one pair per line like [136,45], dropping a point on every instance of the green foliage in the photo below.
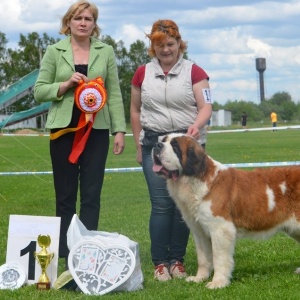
[284,105]
[280,97]
[128,62]
[297,112]
[217,106]
[3,42]
[263,269]
[238,107]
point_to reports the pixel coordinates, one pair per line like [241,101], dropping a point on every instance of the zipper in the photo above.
[167,106]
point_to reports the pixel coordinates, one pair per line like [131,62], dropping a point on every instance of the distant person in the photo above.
[79,57]
[274,119]
[244,120]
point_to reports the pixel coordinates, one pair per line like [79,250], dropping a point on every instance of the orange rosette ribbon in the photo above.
[89,97]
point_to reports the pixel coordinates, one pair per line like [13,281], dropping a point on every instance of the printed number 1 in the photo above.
[31,248]
[207,96]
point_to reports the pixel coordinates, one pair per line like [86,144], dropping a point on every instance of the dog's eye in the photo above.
[176,148]
[164,138]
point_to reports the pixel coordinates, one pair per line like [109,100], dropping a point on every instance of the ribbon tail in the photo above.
[80,140]
[83,120]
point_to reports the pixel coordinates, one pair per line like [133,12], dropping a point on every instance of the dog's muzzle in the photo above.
[158,167]
[158,148]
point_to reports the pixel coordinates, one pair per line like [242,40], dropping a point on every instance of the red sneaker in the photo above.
[161,273]
[177,270]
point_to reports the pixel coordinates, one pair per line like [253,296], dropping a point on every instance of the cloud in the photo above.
[259,48]
[130,33]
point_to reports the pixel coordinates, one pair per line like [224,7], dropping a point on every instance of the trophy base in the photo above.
[43,286]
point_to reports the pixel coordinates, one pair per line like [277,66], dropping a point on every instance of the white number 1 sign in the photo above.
[23,232]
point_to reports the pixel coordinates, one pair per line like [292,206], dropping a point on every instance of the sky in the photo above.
[224,37]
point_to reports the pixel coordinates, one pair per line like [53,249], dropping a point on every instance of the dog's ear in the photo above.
[195,161]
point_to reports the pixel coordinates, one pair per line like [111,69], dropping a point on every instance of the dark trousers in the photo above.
[87,174]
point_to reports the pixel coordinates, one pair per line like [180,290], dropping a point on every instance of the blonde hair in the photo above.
[76,9]
[161,30]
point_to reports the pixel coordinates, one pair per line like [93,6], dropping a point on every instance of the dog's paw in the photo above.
[194,279]
[297,271]
[218,283]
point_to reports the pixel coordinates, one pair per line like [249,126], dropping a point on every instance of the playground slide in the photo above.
[15,92]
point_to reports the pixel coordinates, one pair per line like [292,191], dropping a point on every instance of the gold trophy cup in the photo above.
[44,258]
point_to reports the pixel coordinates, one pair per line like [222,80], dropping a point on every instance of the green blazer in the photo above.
[57,66]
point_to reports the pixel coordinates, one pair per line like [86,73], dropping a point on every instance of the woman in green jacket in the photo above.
[78,58]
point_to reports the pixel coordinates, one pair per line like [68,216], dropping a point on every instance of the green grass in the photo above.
[264,269]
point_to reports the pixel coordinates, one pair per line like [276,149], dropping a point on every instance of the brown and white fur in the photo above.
[221,204]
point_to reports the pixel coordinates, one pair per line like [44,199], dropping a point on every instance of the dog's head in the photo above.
[176,155]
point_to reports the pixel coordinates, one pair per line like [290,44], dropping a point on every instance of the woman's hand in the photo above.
[139,154]
[76,78]
[72,82]
[119,143]
[193,131]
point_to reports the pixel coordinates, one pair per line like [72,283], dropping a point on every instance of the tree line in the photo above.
[16,63]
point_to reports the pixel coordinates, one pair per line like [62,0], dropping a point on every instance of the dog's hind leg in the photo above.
[223,244]
[296,236]
[204,254]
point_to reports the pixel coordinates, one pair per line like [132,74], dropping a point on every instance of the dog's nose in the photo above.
[159,145]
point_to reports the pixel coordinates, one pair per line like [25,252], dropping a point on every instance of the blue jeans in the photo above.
[168,232]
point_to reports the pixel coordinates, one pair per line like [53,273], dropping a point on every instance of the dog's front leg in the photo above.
[204,255]
[223,244]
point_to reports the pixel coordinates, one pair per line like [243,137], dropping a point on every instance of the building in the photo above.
[27,123]
[221,117]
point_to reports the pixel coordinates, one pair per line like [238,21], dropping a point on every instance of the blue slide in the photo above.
[15,92]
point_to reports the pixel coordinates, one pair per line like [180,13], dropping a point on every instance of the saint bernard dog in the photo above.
[221,204]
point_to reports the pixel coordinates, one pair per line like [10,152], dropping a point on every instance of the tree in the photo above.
[297,113]
[122,63]
[137,56]
[127,62]
[238,107]
[217,106]
[288,110]
[283,105]
[3,42]
[3,54]
[280,97]
[267,107]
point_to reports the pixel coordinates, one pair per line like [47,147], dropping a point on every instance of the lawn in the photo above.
[264,269]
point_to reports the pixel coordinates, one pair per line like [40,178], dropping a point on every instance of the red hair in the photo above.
[161,30]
